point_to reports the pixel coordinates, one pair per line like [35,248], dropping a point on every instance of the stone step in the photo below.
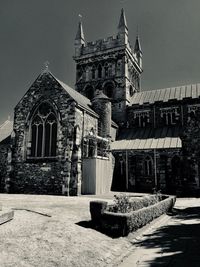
[6,215]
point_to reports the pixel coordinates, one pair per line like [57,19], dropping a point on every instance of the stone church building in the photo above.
[106,133]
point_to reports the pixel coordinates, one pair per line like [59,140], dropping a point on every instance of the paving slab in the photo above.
[173,241]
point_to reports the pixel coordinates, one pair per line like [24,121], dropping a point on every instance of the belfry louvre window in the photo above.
[44,132]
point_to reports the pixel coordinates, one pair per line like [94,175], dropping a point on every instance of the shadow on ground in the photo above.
[178,242]
[90,224]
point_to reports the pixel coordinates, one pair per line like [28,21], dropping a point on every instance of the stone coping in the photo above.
[6,215]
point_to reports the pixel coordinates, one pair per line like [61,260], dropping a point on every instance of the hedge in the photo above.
[125,204]
[121,224]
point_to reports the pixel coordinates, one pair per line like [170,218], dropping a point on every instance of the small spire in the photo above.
[80,34]
[137,47]
[122,22]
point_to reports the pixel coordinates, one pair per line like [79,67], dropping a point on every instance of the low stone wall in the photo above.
[5,215]
[121,224]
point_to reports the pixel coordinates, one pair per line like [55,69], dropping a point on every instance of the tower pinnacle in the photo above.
[138,50]
[122,28]
[80,35]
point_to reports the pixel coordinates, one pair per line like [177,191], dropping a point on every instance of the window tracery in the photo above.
[44,132]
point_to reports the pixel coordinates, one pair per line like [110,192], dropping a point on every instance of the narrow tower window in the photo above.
[99,71]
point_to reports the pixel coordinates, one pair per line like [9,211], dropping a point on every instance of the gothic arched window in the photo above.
[44,132]
[148,166]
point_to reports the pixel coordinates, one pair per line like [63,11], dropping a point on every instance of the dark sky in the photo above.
[34,31]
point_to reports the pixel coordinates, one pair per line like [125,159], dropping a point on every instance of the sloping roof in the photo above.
[164,95]
[79,98]
[6,129]
[148,138]
[150,143]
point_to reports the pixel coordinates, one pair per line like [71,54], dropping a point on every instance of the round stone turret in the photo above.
[102,106]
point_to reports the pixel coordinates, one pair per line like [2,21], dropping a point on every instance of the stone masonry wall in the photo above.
[45,176]
[3,165]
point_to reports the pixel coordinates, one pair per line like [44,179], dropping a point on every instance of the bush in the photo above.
[124,203]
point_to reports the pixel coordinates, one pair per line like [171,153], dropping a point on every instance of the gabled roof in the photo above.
[164,95]
[148,138]
[6,129]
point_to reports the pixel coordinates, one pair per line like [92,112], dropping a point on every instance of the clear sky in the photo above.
[34,31]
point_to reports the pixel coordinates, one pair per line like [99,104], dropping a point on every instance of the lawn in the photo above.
[32,239]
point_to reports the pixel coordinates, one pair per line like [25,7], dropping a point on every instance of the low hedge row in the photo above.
[125,204]
[121,224]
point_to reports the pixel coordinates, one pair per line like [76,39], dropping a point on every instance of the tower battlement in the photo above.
[110,42]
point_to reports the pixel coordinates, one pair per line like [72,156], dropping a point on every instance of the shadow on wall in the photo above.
[179,243]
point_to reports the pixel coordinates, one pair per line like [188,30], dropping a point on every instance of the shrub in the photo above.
[124,203]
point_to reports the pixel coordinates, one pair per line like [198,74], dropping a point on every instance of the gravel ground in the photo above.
[32,239]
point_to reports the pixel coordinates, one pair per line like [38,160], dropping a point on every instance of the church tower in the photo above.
[109,65]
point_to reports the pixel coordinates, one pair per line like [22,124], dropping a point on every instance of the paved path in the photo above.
[172,241]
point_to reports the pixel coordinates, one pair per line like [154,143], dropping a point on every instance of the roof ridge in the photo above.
[177,86]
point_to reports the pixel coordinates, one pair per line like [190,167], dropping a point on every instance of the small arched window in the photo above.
[148,166]
[99,71]
[44,132]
